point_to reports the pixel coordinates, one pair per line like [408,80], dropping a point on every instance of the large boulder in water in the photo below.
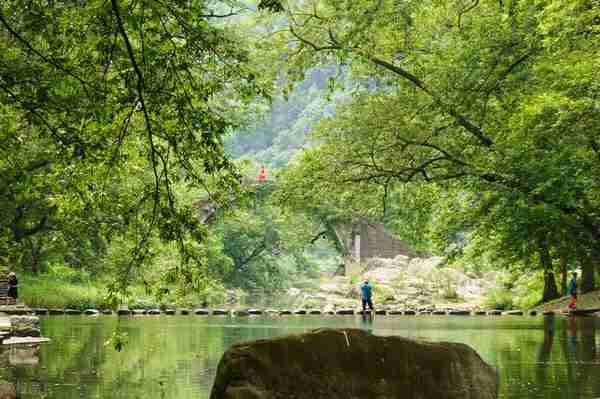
[352,364]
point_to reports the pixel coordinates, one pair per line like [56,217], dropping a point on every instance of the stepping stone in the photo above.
[381,312]
[72,311]
[548,313]
[139,312]
[314,311]
[533,313]
[583,312]
[494,313]
[154,311]
[241,313]
[439,312]
[459,313]
[395,312]
[25,340]
[202,312]
[344,312]
[285,312]
[107,311]
[123,312]
[184,311]
[40,311]
[255,312]
[425,313]
[329,312]
[271,312]
[514,313]
[56,311]
[410,313]
[480,313]
[170,312]
[300,311]
[220,312]
[362,313]
[91,312]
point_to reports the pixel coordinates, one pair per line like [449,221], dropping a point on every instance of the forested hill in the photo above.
[281,130]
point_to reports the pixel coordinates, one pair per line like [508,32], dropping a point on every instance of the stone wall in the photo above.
[371,240]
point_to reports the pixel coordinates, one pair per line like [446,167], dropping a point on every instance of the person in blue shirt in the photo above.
[366,291]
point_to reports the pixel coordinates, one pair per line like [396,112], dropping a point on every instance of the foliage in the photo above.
[491,107]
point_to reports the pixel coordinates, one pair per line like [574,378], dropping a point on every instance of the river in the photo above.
[177,356]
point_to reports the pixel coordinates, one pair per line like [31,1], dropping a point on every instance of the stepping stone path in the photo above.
[220,312]
[154,311]
[255,312]
[494,313]
[514,313]
[40,311]
[72,311]
[202,312]
[410,313]
[91,312]
[439,312]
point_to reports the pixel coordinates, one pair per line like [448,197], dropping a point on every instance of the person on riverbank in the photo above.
[366,291]
[573,292]
[13,284]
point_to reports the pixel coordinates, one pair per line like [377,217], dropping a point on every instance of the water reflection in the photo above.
[176,357]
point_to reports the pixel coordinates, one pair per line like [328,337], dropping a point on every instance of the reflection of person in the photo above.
[13,284]
[366,291]
[573,292]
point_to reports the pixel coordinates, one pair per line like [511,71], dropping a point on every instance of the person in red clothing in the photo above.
[262,175]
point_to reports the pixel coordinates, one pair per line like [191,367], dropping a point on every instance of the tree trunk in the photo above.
[563,275]
[550,289]
[587,272]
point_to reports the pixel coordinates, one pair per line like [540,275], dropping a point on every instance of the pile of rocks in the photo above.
[405,282]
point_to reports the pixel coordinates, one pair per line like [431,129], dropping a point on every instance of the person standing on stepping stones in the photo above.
[366,291]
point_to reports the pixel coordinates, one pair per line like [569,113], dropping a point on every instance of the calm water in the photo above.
[177,356]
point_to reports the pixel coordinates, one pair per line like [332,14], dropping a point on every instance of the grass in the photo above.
[48,292]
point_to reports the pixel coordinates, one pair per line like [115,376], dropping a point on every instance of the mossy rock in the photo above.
[351,363]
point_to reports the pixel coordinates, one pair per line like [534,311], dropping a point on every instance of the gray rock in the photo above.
[56,312]
[40,311]
[315,311]
[438,312]
[107,311]
[184,311]
[276,368]
[285,312]
[73,312]
[381,312]
[409,313]
[344,312]
[300,311]
[202,312]
[220,312]
[24,326]
[395,312]
[170,312]
[91,312]
[480,312]
[494,312]
[154,312]
[123,312]
[139,312]
[255,312]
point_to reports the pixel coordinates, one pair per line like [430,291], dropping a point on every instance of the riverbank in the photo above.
[590,300]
